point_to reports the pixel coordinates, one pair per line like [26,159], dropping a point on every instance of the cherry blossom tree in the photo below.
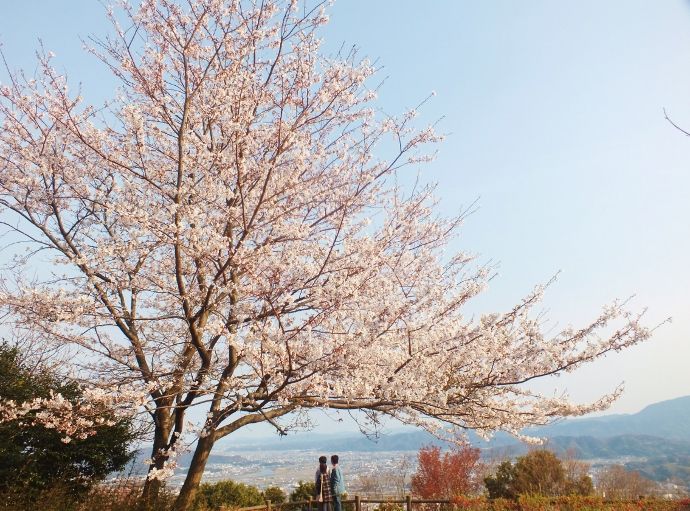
[228,234]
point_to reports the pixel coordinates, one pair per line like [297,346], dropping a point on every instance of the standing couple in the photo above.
[329,485]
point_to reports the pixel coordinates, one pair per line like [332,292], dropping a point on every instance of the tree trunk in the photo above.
[196,469]
[149,496]
[152,487]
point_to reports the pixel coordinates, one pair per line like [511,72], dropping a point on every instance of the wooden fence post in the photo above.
[268,504]
[309,505]
[358,503]
[408,502]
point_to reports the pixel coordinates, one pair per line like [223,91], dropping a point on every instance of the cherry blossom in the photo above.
[228,233]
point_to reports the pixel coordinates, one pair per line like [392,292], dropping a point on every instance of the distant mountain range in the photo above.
[659,428]
[666,419]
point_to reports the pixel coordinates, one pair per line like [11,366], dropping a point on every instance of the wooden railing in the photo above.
[407,502]
[312,505]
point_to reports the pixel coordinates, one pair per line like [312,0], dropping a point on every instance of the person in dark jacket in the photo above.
[322,460]
[322,490]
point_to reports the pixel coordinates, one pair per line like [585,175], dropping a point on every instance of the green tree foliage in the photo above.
[583,485]
[215,496]
[275,495]
[303,491]
[500,485]
[539,472]
[34,458]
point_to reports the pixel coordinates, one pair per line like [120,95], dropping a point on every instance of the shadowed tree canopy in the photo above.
[34,457]
[231,235]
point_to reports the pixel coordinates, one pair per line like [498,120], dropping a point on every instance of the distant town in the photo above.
[284,469]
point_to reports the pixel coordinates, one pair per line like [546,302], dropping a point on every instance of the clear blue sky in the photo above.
[556,122]
[554,111]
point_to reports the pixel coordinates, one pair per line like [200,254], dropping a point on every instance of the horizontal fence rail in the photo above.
[408,502]
[312,505]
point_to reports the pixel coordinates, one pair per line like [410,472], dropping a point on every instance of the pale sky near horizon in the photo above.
[554,112]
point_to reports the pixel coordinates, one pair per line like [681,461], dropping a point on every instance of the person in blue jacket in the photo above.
[337,484]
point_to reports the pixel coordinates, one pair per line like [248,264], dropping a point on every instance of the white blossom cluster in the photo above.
[74,419]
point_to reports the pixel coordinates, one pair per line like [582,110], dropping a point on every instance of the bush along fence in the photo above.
[462,503]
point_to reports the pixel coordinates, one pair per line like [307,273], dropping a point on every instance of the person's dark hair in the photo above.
[322,459]
[323,468]
[334,459]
